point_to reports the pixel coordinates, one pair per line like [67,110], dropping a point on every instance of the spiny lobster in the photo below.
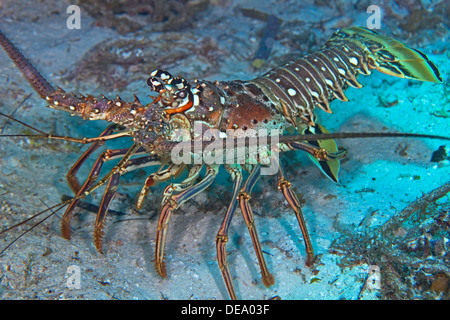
[283,98]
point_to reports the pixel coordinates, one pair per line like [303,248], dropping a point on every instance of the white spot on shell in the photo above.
[165,76]
[341,71]
[308,80]
[196,100]
[291,92]
[353,61]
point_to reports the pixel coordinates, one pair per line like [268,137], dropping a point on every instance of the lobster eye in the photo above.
[155,84]
[181,94]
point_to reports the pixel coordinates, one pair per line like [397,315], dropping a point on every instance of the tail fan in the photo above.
[390,56]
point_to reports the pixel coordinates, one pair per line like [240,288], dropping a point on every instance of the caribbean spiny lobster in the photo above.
[284,97]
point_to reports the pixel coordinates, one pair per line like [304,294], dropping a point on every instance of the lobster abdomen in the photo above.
[315,80]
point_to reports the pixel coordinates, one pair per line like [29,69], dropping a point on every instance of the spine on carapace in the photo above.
[37,81]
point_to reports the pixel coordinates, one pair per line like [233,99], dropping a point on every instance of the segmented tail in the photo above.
[298,87]
[388,55]
[37,81]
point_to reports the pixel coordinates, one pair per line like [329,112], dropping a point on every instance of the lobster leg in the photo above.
[243,197]
[317,152]
[71,175]
[156,177]
[110,192]
[285,187]
[93,176]
[171,204]
[194,173]
[327,160]
[222,235]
